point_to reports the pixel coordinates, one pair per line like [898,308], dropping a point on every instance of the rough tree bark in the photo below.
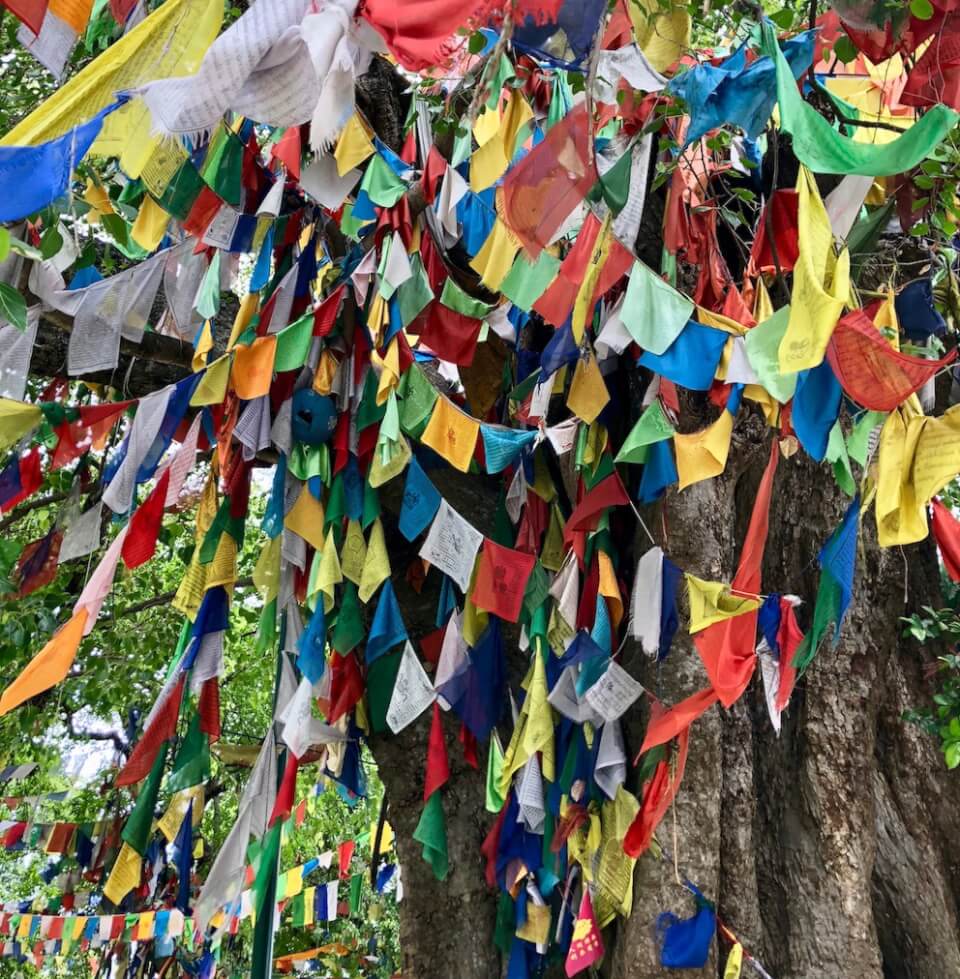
[828,848]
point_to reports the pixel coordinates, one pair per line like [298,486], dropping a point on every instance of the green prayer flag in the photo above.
[527,281]
[369,412]
[192,764]
[415,294]
[293,344]
[136,831]
[382,185]
[299,910]
[494,800]
[381,678]
[858,441]
[826,612]
[836,455]
[267,628]
[371,506]
[614,185]
[226,174]
[349,630]
[431,832]
[417,398]
[356,892]
[266,869]
[762,345]
[820,148]
[652,426]
[653,312]
[454,297]
[336,503]
[184,188]
[208,296]
[537,590]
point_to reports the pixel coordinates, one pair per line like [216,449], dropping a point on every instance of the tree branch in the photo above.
[157,600]
[21,511]
[119,742]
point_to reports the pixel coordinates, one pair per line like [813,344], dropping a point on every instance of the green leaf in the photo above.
[116,226]
[13,307]
[922,10]
[783,19]
[951,754]
[4,243]
[477,43]
[22,248]
[51,242]
[845,49]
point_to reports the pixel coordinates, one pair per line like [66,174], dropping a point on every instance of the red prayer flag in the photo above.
[283,804]
[728,648]
[287,151]
[673,721]
[870,371]
[789,638]
[28,12]
[502,580]
[162,727]
[141,541]
[784,219]
[344,856]
[438,765]
[424,33]
[946,532]
[607,493]
[541,191]
[451,335]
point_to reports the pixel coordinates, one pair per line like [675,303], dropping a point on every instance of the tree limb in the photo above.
[157,600]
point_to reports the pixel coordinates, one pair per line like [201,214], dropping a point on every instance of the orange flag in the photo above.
[49,666]
[253,368]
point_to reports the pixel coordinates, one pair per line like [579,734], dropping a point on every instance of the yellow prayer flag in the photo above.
[212,388]
[354,145]
[588,394]
[49,666]
[329,573]
[720,322]
[171,41]
[496,256]
[16,419]
[661,36]
[306,518]
[309,896]
[451,434]
[249,305]
[536,927]
[203,347]
[609,588]
[353,554]
[390,370]
[703,455]
[821,283]
[493,157]
[734,962]
[712,601]
[376,564]
[125,875]
[917,457]
[151,224]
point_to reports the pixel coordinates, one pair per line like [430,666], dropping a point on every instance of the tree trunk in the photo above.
[827,849]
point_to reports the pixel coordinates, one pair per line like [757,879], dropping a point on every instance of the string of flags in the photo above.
[464,304]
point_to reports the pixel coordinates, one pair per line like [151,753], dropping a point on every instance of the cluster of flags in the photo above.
[478,332]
